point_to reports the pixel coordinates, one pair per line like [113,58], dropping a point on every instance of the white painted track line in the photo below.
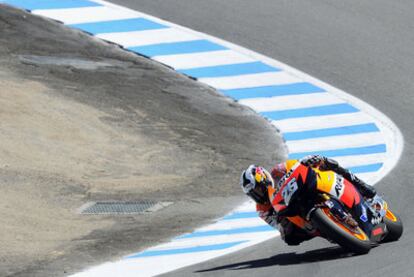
[181,243]
[337,142]
[250,80]
[321,122]
[151,267]
[291,102]
[226,225]
[350,161]
[88,14]
[141,38]
[204,59]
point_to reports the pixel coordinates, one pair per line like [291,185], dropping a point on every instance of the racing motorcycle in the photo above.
[323,203]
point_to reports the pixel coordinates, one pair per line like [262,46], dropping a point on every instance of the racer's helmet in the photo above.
[254,181]
[278,171]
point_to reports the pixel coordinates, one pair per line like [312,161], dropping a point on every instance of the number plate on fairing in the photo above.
[289,190]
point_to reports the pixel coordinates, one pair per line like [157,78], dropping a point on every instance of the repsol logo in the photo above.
[339,185]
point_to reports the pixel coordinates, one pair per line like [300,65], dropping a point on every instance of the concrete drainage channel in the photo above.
[313,116]
[122,208]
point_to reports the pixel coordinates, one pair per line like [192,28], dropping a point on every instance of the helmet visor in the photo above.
[259,194]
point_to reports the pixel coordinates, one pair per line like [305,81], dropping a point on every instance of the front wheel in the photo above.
[353,239]
[394,227]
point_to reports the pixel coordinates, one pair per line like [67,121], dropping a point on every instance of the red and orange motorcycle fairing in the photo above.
[326,182]
[277,199]
[329,185]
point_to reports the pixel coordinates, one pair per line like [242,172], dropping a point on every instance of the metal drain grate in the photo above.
[130,207]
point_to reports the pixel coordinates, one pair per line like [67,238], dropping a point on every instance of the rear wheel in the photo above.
[394,227]
[353,239]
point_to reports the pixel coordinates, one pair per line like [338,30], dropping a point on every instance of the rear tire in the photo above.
[394,227]
[335,232]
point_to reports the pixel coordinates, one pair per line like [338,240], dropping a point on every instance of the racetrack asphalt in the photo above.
[363,48]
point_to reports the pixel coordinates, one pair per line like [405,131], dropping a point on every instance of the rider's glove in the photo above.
[271,217]
[312,160]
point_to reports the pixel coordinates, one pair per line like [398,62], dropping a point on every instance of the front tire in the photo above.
[394,227]
[355,240]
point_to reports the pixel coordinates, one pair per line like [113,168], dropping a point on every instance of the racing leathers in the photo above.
[290,233]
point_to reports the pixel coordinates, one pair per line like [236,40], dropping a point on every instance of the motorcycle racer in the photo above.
[255,180]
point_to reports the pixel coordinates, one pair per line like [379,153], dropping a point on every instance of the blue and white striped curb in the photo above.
[241,228]
[312,116]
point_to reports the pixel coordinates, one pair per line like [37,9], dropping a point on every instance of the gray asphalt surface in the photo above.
[363,47]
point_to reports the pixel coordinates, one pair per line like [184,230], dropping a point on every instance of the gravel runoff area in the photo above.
[82,120]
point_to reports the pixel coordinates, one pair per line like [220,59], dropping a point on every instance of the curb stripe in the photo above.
[118,26]
[173,48]
[87,14]
[250,80]
[366,168]
[272,91]
[379,148]
[353,161]
[151,253]
[240,215]
[254,229]
[290,102]
[203,59]
[147,37]
[321,122]
[229,70]
[335,143]
[50,4]
[313,111]
[337,131]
